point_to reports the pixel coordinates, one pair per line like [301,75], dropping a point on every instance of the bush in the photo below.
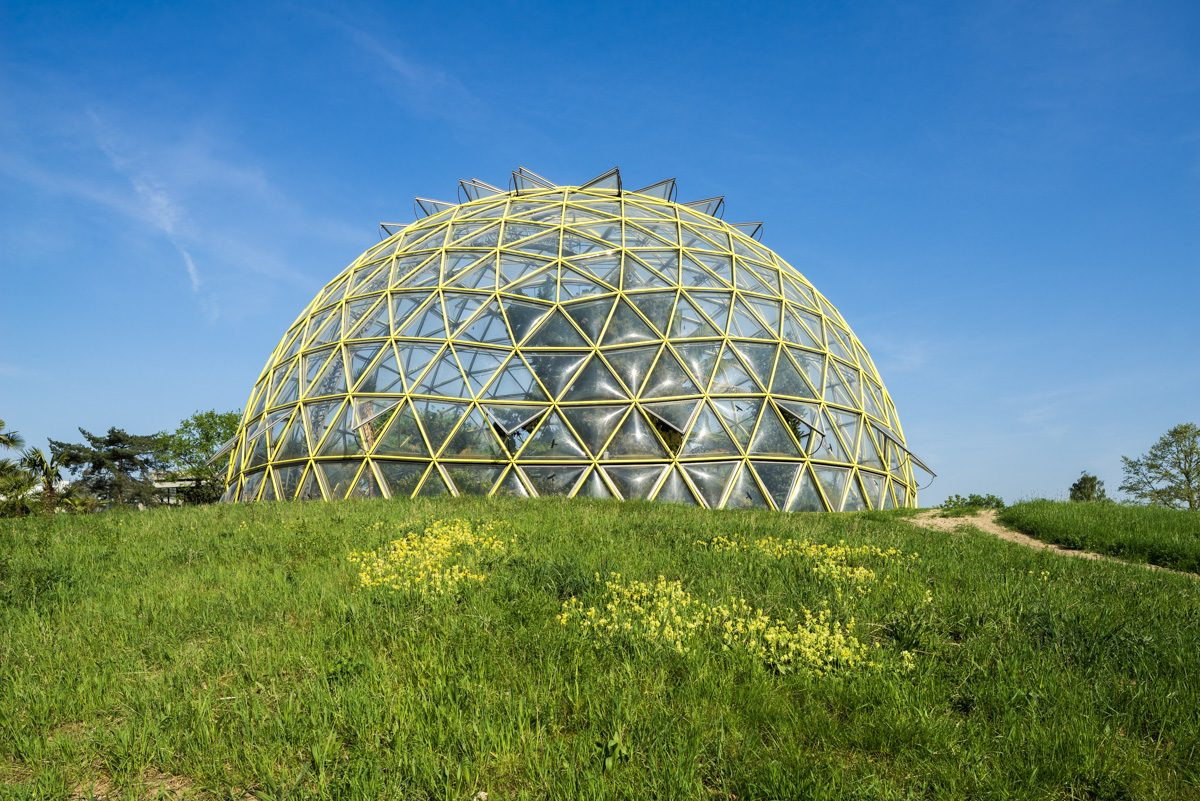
[958,505]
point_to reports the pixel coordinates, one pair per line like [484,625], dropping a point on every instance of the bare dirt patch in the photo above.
[985,520]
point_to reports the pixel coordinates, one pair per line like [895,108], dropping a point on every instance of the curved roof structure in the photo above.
[573,340]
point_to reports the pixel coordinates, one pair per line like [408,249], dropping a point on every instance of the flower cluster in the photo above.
[435,561]
[665,614]
[833,562]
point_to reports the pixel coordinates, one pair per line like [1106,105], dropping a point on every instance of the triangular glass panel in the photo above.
[636,237]
[838,343]
[606,180]
[434,485]
[796,332]
[675,414]
[473,479]
[638,276]
[516,231]
[635,438]
[593,487]
[293,443]
[371,417]
[731,377]
[804,421]
[655,307]
[739,416]
[268,488]
[700,358]
[428,274]
[539,286]
[873,486]
[626,326]
[574,284]
[767,310]
[855,502]
[608,231]
[758,357]
[318,322]
[688,321]
[373,323]
[332,380]
[663,189]
[668,378]
[511,485]
[590,315]
[744,323]
[889,502]
[545,245]
[595,382]
[514,268]
[796,291]
[719,265]
[710,206]
[675,490]
[404,304]
[481,276]
[461,307]
[524,179]
[870,452]
[523,316]
[312,364]
[711,478]
[552,440]
[663,262]
[427,322]
[514,381]
[444,377]
[745,492]
[479,365]
[354,310]
[605,267]
[556,331]
[555,370]
[553,479]
[339,477]
[574,244]
[707,437]
[692,274]
[287,388]
[360,357]
[837,389]
[474,439]
[806,498]
[488,327]
[811,364]
[594,424]
[748,280]
[414,358]
[631,364]
[342,437]
[772,438]
[829,447]
[634,481]
[252,485]
[666,231]
[778,478]
[848,425]
[715,305]
[288,480]
[438,418]
[511,418]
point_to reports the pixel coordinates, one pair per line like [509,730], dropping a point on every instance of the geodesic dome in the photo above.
[586,340]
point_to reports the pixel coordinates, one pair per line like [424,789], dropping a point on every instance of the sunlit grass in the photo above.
[236,649]
[1164,537]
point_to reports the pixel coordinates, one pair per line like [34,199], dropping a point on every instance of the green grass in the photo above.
[1164,537]
[232,649]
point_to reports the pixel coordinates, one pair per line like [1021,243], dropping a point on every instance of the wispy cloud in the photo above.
[158,206]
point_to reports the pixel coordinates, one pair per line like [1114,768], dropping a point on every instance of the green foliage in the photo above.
[10,439]
[114,467]
[1088,488]
[1164,537]
[45,470]
[1169,473]
[188,449]
[232,649]
[957,505]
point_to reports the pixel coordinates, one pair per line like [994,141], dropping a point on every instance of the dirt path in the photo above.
[985,520]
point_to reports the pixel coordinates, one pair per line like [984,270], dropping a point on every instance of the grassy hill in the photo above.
[223,651]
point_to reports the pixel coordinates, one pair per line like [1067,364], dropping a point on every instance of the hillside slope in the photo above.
[225,651]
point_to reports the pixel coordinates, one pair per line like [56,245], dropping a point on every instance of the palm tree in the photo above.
[10,439]
[47,471]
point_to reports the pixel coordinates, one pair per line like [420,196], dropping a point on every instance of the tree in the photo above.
[115,467]
[10,439]
[1088,488]
[1169,473]
[190,448]
[45,469]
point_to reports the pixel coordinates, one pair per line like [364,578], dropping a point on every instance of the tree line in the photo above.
[116,468]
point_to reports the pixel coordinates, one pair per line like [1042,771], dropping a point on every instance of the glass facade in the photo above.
[573,341]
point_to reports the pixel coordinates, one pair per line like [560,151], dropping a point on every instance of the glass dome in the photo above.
[582,341]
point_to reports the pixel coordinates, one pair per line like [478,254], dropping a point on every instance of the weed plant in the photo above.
[236,650]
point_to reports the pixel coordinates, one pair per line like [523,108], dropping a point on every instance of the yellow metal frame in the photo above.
[281,452]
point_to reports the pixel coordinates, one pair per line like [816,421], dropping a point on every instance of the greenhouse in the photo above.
[573,340]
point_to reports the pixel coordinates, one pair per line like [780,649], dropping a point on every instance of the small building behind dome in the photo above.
[573,340]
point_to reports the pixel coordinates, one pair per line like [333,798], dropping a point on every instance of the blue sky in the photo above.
[1002,198]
